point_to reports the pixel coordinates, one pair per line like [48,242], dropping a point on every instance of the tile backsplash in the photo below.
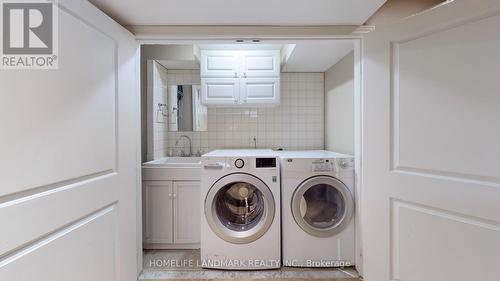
[297,123]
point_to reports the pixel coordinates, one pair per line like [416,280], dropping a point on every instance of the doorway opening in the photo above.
[319,108]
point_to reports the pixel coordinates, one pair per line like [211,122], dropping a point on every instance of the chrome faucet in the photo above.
[190,147]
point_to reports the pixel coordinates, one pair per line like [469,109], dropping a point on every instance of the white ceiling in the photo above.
[234,12]
[305,56]
[179,64]
[317,56]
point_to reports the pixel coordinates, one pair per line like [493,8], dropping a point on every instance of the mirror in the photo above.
[184,109]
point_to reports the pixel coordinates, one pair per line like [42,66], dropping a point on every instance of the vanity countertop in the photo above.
[172,169]
[174,162]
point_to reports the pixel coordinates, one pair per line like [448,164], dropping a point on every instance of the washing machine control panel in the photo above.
[246,163]
[265,162]
[240,163]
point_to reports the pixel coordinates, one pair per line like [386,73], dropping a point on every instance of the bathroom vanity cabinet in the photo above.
[171,214]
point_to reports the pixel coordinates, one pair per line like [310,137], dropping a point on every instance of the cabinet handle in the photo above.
[244,75]
[170,195]
[175,195]
[236,75]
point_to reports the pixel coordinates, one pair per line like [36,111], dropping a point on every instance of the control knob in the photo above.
[239,163]
[344,164]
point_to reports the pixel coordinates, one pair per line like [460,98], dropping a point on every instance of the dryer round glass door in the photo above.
[322,206]
[239,208]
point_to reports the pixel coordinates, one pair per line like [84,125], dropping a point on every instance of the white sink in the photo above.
[175,162]
[173,168]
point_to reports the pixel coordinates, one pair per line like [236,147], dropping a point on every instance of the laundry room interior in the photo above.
[250,140]
[246,107]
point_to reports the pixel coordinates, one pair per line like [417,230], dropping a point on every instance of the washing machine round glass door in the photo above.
[239,208]
[322,206]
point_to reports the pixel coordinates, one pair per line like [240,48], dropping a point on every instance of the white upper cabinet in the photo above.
[240,78]
[219,64]
[220,91]
[260,63]
[260,91]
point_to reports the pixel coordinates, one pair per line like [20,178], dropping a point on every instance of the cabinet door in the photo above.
[263,91]
[159,211]
[219,64]
[220,91]
[186,212]
[260,63]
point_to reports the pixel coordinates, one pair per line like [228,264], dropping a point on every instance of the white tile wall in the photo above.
[298,123]
[160,126]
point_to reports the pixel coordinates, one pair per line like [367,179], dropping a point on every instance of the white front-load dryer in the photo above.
[241,215]
[317,209]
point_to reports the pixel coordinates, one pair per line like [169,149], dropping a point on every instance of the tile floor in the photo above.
[183,265]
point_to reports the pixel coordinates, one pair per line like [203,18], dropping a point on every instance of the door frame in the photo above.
[357,41]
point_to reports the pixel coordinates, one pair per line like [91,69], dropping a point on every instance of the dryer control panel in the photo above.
[332,165]
[302,166]
[323,165]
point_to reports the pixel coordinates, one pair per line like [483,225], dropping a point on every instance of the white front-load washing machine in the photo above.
[317,209]
[241,216]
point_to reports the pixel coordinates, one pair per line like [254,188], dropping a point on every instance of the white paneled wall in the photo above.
[298,123]
[339,99]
